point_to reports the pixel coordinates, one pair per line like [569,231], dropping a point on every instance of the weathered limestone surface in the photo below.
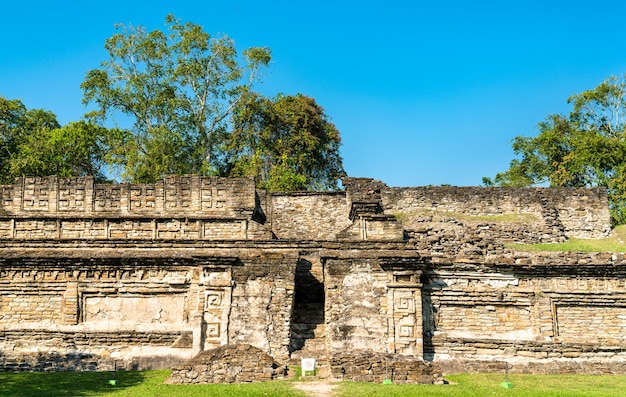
[148,276]
[228,364]
[367,366]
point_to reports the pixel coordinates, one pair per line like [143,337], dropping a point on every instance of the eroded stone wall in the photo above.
[143,307]
[186,207]
[150,275]
[554,213]
[578,212]
[367,366]
[568,308]
[308,216]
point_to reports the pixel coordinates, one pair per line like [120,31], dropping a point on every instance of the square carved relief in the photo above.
[405,304]
[213,299]
[406,331]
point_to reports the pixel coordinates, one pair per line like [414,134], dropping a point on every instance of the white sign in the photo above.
[308,364]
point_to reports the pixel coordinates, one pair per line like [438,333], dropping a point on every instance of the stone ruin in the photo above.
[228,364]
[94,276]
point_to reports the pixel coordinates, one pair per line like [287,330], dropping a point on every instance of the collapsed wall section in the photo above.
[551,214]
[566,212]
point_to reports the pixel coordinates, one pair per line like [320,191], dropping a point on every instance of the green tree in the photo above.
[585,148]
[178,87]
[32,142]
[288,143]
[11,119]
[77,149]
[16,124]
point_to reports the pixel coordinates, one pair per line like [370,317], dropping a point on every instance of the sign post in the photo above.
[308,365]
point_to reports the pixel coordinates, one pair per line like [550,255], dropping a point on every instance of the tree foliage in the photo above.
[187,99]
[178,87]
[587,147]
[288,143]
[16,124]
[32,142]
[76,149]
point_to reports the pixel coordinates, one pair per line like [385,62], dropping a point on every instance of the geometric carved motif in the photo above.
[142,197]
[35,197]
[213,299]
[107,198]
[404,304]
[71,194]
[406,331]
[206,193]
[178,192]
[213,330]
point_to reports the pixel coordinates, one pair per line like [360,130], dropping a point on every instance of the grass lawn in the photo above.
[150,383]
[128,383]
[482,385]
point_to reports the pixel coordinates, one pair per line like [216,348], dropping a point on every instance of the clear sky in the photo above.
[423,93]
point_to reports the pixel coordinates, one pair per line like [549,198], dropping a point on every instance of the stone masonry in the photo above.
[148,276]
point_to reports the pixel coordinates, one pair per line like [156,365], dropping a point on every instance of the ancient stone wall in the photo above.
[374,304]
[262,303]
[308,216]
[559,212]
[141,306]
[524,308]
[150,275]
[173,195]
[367,366]
[581,213]
[190,208]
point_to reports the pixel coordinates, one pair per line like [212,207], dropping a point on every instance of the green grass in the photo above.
[615,243]
[150,384]
[572,245]
[131,383]
[482,385]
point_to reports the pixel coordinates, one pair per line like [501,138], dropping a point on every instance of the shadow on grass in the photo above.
[70,384]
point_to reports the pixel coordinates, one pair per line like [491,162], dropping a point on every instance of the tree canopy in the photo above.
[287,143]
[189,97]
[178,87]
[32,142]
[586,147]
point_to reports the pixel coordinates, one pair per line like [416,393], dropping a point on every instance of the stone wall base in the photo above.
[57,362]
[228,364]
[554,366]
[377,367]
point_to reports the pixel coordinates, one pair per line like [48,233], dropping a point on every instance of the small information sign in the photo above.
[308,364]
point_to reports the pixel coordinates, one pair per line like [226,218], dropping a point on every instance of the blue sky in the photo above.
[423,93]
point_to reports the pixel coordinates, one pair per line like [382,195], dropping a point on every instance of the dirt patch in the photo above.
[317,389]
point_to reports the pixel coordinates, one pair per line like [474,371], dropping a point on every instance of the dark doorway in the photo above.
[308,336]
